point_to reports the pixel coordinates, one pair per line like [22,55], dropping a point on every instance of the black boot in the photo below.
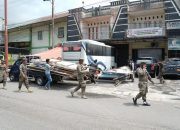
[145,103]
[135,101]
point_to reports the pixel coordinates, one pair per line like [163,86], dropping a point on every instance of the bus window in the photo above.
[72,48]
[76,48]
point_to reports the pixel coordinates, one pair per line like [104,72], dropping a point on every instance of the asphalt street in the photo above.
[107,107]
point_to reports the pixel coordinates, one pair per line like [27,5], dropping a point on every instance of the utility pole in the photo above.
[52,33]
[5,32]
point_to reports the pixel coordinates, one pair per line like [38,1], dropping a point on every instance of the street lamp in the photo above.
[52,33]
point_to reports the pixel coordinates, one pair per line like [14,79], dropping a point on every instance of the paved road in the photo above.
[56,110]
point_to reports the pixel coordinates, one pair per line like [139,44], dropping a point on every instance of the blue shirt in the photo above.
[47,68]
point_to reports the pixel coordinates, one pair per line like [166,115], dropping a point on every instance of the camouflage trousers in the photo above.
[82,86]
[160,77]
[4,78]
[143,90]
[25,81]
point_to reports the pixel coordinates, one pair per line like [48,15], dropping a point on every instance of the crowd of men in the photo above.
[142,72]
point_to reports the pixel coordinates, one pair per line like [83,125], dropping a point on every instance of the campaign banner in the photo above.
[174,44]
[145,32]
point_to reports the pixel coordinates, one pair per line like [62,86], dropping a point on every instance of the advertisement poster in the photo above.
[173,25]
[174,44]
[145,32]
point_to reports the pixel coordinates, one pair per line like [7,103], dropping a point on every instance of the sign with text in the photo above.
[145,32]
[174,44]
[173,25]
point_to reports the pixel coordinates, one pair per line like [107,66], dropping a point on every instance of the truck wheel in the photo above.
[40,81]
[11,77]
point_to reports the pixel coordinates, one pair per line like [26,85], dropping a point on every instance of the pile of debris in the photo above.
[62,68]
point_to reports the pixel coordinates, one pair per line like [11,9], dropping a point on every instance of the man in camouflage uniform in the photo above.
[4,67]
[143,84]
[161,71]
[23,78]
[81,70]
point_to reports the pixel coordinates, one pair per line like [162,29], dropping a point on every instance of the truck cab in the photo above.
[14,71]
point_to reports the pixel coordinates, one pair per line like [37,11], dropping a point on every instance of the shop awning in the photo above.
[55,53]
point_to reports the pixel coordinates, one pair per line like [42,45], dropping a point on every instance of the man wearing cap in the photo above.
[81,70]
[23,78]
[4,67]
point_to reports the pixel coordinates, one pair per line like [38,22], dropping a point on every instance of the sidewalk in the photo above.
[168,92]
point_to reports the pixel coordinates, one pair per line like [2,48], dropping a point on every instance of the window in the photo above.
[61,32]
[149,23]
[145,24]
[89,33]
[97,50]
[155,24]
[160,23]
[40,35]
[72,48]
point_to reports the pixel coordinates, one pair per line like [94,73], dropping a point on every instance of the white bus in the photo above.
[90,51]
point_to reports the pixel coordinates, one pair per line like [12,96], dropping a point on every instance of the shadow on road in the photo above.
[130,104]
[91,95]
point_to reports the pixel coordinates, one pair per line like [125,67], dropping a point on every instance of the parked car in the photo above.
[14,71]
[172,67]
[151,65]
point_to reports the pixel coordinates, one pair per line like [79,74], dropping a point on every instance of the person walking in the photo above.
[48,74]
[143,76]
[161,71]
[92,70]
[81,70]
[23,78]
[131,67]
[4,67]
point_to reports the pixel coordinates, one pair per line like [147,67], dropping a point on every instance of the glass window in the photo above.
[155,24]
[61,32]
[71,48]
[40,35]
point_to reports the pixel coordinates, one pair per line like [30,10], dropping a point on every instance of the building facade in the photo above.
[135,29]
[36,36]
[173,27]
[1,31]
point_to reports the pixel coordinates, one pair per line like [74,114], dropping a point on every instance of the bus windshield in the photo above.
[72,47]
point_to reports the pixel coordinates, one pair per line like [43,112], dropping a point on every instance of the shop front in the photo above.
[173,47]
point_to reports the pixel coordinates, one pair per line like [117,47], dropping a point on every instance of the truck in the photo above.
[36,71]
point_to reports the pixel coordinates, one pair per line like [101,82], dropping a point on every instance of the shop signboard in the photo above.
[145,32]
[174,44]
[173,25]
